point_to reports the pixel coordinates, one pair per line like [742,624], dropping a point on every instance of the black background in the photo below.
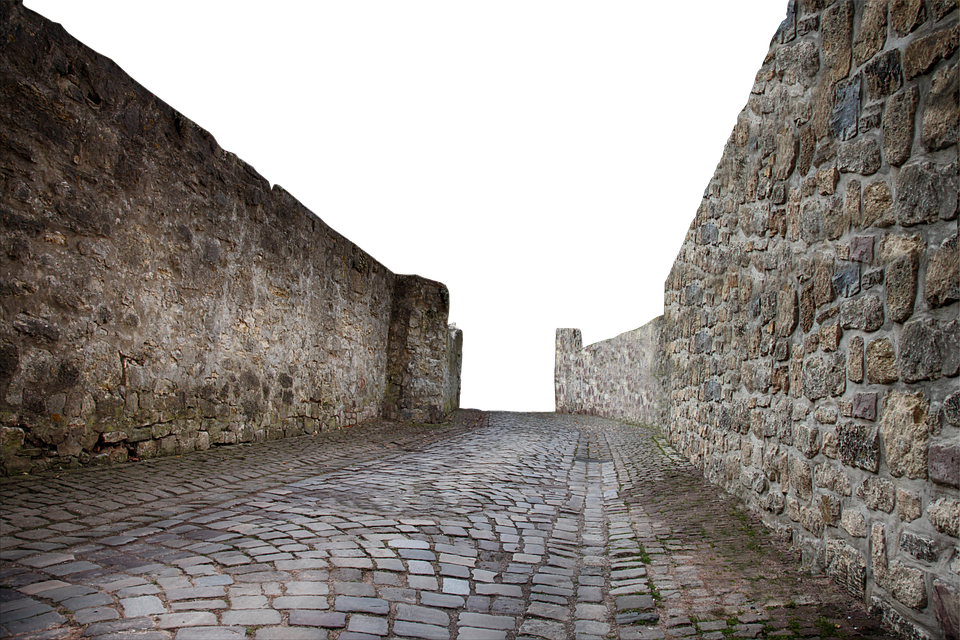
[545,166]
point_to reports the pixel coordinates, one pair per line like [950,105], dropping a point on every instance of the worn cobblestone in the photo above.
[498,525]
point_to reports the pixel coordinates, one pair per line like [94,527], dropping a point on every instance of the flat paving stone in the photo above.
[494,525]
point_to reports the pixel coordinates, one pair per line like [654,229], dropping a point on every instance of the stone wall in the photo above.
[620,378]
[811,331]
[158,296]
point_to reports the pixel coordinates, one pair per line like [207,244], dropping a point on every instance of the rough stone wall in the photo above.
[621,378]
[811,320]
[157,295]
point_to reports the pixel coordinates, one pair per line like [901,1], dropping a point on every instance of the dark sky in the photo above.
[543,159]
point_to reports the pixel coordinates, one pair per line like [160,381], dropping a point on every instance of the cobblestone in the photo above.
[496,526]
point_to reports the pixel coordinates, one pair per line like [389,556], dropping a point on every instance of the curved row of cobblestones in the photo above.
[498,526]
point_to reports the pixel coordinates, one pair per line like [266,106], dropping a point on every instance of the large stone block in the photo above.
[942,283]
[801,478]
[873,31]
[921,348]
[906,15]
[898,125]
[946,606]
[903,430]
[883,76]
[861,156]
[847,567]
[939,125]
[858,445]
[943,463]
[881,362]
[944,515]
[824,376]
[846,109]
[877,494]
[864,313]
[836,31]
[923,53]
[925,193]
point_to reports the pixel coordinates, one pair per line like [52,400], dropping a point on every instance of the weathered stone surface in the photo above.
[906,15]
[942,283]
[873,31]
[944,515]
[847,567]
[844,123]
[919,547]
[883,76]
[836,31]
[903,430]
[858,445]
[877,494]
[921,347]
[861,249]
[854,523]
[855,363]
[861,155]
[846,279]
[926,192]
[824,376]
[881,362]
[787,312]
[923,53]
[943,463]
[865,406]
[908,505]
[898,125]
[864,313]
[807,439]
[801,478]
[939,125]
[951,348]
[901,255]
[946,605]
[877,205]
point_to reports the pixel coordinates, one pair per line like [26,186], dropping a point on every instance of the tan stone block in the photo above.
[836,31]
[908,505]
[855,359]
[830,337]
[939,125]
[827,181]
[942,283]
[881,362]
[853,523]
[923,53]
[877,205]
[944,515]
[906,15]
[903,431]
[873,31]
[898,126]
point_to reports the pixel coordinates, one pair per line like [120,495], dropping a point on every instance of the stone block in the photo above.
[830,335]
[846,279]
[925,193]
[939,124]
[864,313]
[904,433]
[878,205]
[883,76]
[855,364]
[858,445]
[944,515]
[921,347]
[906,16]
[847,567]
[807,439]
[921,54]
[865,406]
[873,31]
[877,494]
[824,376]
[919,547]
[846,109]
[943,463]
[861,249]
[800,478]
[946,606]
[853,523]
[898,125]
[836,32]
[942,282]
[908,505]
[881,362]
[861,155]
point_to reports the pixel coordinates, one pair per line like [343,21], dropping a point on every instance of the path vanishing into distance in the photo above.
[497,525]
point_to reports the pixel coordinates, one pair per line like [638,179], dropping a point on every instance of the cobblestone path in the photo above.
[499,525]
